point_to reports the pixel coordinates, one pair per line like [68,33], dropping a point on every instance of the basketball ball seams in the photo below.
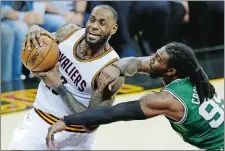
[44,57]
[29,55]
[56,60]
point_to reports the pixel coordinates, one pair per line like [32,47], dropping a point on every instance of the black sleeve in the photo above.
[107,114]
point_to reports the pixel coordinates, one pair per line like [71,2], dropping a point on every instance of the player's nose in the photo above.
[95,26]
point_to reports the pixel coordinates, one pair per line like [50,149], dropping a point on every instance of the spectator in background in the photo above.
[152,18]
[122,41]
[7,42]
[13,24]
[179,18]
[73,12]
[19,15]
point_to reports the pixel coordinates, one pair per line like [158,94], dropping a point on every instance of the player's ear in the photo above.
[171,72]
[114,29]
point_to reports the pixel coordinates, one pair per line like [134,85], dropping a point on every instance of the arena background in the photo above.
[205,34]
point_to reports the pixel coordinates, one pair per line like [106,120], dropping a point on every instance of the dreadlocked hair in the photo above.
[182,58]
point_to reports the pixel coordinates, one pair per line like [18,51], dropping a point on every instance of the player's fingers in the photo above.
[111,85]
[104,77]
[100,79]
[28,41]
[57,66]
[24,45]
[54,142]
[48,137]
[33,39]
[105,82]
[40,41]
[101,75]
[40,74]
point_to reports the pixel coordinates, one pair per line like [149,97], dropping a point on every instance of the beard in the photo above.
[99,42]
[156,74]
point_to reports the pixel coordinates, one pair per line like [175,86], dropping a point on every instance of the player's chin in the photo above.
[93,41]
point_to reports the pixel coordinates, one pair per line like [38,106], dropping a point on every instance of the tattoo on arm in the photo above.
[128,66]
[64,31]
[106,97]
[72,104]
[132,65]
[98,98]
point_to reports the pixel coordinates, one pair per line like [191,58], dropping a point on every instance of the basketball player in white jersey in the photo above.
[84,52]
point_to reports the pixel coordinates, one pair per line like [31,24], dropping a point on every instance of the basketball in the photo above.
[41,59]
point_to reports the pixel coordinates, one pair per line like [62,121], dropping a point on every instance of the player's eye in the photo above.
[92,19]
[157,57]
[103,23]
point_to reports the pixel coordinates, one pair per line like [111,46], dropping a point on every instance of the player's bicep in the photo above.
[155,103]
[65,32]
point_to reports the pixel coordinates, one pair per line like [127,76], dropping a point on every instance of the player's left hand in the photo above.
[57,127]
[108,77]
[51,78]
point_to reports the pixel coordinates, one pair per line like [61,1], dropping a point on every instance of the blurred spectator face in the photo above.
[100,26]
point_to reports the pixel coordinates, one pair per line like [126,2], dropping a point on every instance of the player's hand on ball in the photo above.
[108,76]
[33,37]
[51,78]
[57,127]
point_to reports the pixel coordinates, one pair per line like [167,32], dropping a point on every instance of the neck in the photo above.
[97,49]
[167,80]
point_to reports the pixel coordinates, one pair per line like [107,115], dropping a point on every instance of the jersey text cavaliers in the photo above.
[72,72]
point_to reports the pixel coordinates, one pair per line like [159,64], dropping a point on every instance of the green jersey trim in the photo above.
[182,102]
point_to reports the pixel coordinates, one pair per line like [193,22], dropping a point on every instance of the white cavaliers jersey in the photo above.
[77,75]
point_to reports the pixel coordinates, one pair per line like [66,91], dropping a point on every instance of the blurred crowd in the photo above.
[144,26]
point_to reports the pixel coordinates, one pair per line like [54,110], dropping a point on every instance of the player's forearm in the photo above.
[98,100]
[73,105]
[107,114]
[106,97]
[128,66]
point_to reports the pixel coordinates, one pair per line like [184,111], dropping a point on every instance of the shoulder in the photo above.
[65,31]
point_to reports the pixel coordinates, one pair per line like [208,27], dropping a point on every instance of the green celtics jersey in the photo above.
[202,124]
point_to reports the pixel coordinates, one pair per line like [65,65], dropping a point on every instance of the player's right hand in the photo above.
[108,76]
[33,37]
[57,127]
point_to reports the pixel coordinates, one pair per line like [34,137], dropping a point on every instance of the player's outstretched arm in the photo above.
[132,65]
[151,105]
[125,66]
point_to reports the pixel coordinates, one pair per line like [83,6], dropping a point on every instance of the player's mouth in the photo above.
[93,36]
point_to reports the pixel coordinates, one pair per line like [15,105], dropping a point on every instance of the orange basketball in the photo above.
[41,59]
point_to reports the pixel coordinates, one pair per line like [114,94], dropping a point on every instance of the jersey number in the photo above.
[64,81]
[215,109]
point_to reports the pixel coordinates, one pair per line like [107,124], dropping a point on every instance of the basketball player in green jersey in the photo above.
[188,101]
